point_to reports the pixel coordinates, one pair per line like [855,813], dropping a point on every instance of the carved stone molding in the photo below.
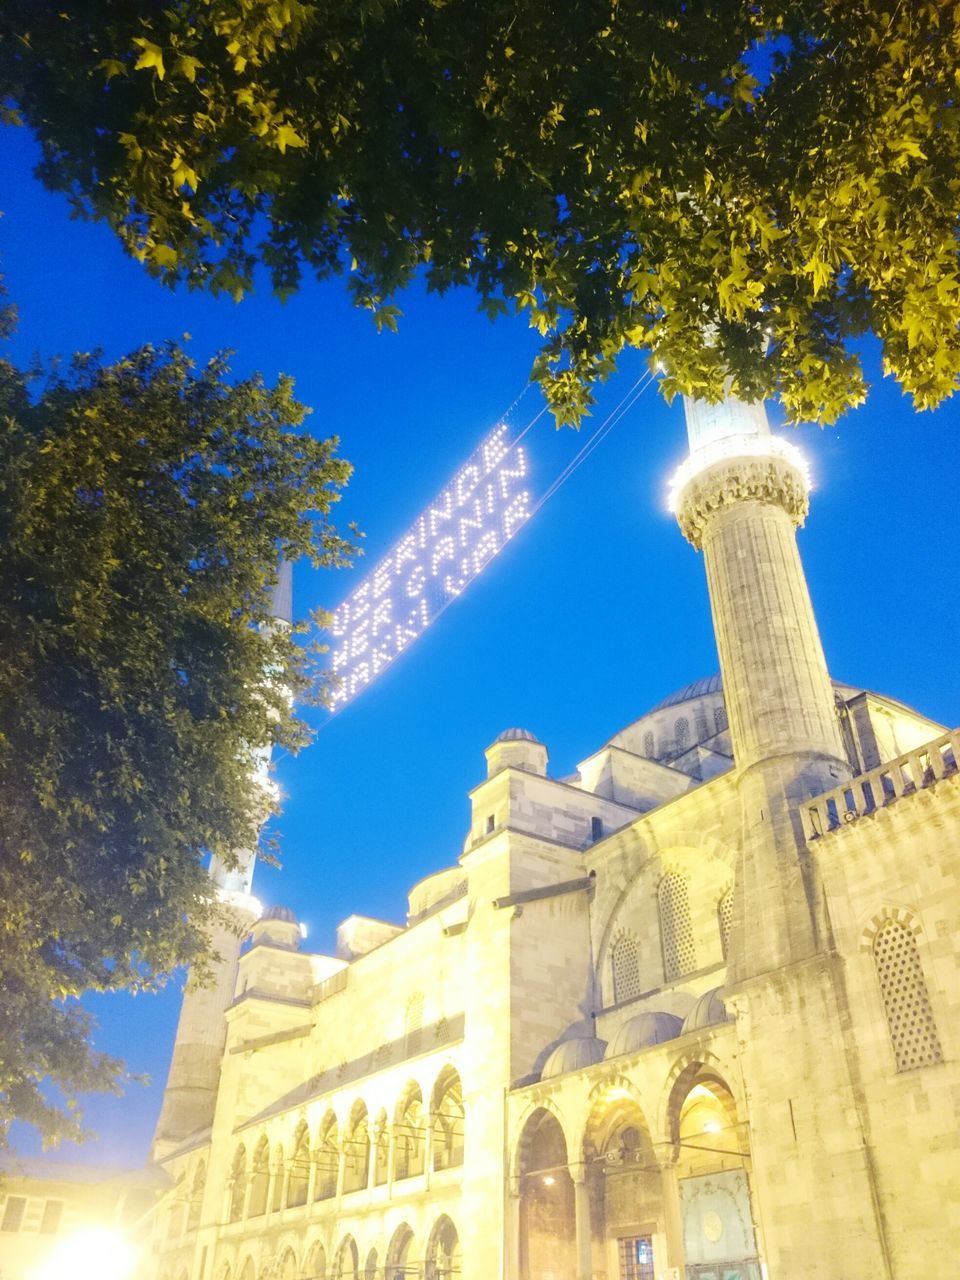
[749,479]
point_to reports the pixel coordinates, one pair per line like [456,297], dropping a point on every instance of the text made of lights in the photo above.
[443,551]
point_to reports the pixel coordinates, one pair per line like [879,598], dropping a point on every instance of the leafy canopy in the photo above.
[142,508]
[740,186]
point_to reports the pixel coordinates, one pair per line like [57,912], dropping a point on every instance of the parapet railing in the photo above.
[880,787]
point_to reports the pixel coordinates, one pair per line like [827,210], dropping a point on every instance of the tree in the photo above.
[143,505]
[743,187]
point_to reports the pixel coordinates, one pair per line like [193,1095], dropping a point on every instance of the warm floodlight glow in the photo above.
[712,1126]
[458,534]
[94,1253]
[549,1180]
[735,446]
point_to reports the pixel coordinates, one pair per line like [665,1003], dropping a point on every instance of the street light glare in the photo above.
[94,1253]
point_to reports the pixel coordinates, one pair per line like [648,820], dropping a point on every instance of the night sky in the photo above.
[596,610]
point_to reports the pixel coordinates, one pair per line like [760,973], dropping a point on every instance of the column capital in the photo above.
[774,474]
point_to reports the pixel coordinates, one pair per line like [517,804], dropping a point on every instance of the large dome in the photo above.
[573,1055]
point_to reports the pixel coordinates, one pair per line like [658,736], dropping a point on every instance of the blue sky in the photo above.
[594,612]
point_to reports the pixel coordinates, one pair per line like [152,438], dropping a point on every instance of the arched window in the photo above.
[370,1266]
[625,964]
[648,745]
[356,1150]
[413,1023]
[408,1135]
[328,1159]
[443,1251]
[676,929]
[720,719]
[298,1181]
[681,733]
[196,1196]
[260,1180]
[447,1121]
[725,920]
[903,989]
[238,1184]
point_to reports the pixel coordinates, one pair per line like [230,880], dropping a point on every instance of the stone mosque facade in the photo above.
[691,1013]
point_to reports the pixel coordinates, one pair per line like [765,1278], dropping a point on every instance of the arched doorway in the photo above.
[346,1262]
[713,1162]
[624,1187]
[547,1224]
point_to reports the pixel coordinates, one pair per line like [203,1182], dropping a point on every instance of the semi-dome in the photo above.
[516,735]
[280,913]
[573,1055]
[644,1030]
[707,1012]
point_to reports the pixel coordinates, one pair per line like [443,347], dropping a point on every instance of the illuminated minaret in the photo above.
[190,1096]
[739,498]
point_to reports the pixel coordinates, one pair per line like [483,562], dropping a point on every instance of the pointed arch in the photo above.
[547,1233]
[448,1120]
[356,1149]
[328,1158]
[346,1261]
[298,1175]
[196,1196]
[286,1268]
[399,1254]
[315,1266]
[238,1183]
[409,1132]
[443,1258]
[259,1179]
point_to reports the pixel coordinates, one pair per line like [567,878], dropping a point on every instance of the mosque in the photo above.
[690,1013]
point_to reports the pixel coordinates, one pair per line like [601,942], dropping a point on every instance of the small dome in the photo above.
[279,913]
[516,735]
[707,1012]
[644,1030]
[573,1055]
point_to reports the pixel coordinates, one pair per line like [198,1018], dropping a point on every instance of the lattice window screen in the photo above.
[625,961]
[719,719]
[725,920]
[681,733]
[676,929]
[648,745]
[903,988]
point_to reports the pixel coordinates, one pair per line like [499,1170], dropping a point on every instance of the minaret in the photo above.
[739,498]
[190,1096]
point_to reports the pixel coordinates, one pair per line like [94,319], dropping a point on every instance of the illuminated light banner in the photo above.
[460,532]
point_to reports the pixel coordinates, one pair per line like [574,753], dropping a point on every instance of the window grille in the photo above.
[681,733]
[676,929]
[13,1213]
[903,989]
[720,718]
[626,969]
[648,747]
[725,920]
[636,1258]
[52,1213]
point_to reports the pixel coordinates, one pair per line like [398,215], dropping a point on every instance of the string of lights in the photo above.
[469,522]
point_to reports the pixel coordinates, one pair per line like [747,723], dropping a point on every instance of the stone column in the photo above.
[673,1220]
[581,1213]
[511,1241]
[311,1179]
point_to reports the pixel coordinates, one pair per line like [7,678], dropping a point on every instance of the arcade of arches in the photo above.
[609,1199]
